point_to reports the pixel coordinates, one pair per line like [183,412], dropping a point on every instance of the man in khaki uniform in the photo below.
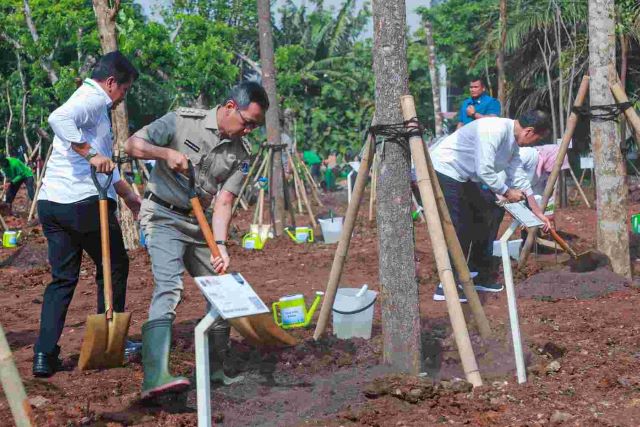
[213,141]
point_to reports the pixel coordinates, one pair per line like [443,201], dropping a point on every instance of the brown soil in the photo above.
[585,323]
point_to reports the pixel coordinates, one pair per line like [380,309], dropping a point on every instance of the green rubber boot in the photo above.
[156,346]
[218,352]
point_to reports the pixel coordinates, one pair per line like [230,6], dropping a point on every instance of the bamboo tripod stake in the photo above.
[32,209]
[13,387]
[374,189]
[303,192]
[439,244]
[312,184]
[572,122]
[246,181]
[340,256]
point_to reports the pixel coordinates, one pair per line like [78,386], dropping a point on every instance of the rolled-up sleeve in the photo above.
[68,120]
[517,175]
[486,160]
[159,132]
[233,184]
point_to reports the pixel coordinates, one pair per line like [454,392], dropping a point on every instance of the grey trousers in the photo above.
[175,243]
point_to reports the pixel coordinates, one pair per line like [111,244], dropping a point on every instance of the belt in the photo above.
[155,199]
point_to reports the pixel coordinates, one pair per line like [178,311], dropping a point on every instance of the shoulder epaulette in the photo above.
[191,112]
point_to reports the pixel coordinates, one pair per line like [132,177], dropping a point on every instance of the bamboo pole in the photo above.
[579,188]
[246,182]
[308,174]
[630,113]
[439,244]
[32,209]
[372,195]
[13,387]
[340,256]
[312,184]
[298,196]
[572,122]
[460,263]
[304,194]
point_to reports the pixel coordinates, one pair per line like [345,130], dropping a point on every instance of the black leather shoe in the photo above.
[45,365]
[132,349]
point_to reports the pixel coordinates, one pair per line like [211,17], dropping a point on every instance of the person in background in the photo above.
[16,174]
[478,105]
[68,202]
[314,161]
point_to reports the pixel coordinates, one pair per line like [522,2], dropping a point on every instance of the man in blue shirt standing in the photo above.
[478,105]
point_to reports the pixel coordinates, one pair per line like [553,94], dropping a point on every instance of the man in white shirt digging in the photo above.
[468,163]
[68,202]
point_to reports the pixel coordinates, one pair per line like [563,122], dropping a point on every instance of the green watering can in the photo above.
[300,234]
[293,311]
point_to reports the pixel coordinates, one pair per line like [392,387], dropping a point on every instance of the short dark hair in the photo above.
[537,119]
[478,79]
[114,64]
[247,92]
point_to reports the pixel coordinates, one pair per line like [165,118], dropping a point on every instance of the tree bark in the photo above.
[611,190]
[502,78]
[106,16]
[433,75]
[400,308]
[273,113]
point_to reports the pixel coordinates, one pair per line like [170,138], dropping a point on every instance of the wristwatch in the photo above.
[91,154]
[221,242]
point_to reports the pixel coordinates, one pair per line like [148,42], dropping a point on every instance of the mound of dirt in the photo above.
[562,284]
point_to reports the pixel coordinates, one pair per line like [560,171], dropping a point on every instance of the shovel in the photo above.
[584,262]
[259,329]
[105,334]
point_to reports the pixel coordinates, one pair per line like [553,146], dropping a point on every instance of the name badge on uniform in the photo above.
[244,167]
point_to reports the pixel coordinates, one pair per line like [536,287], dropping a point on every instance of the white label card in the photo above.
[522,214]
[231,295]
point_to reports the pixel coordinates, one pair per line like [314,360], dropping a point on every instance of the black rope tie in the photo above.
[397,133]
[603,113]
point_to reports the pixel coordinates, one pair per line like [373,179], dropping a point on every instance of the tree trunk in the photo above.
[611,190]
[106,17]
[502,78]
[400,308]
[273,113]
[433,75]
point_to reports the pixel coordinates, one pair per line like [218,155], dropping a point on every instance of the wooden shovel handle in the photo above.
[106,257]
[563,244]
[204,226]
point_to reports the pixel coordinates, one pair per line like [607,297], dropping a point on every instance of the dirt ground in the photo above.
[579,332]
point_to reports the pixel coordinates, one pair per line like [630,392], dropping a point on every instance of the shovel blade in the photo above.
[271,333]
[261,330]
[589,261]
[104,341]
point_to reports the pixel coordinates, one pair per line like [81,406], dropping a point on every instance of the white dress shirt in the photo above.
[479,151]
[83,118]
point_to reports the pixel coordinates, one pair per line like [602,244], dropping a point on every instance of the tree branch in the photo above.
[29,19]
[253,64]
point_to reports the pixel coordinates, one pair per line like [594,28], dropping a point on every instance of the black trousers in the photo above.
[476,218]
[70,229]
[15,186]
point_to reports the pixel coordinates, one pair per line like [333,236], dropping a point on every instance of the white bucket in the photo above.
[352,314]
[513,247]
[331,229]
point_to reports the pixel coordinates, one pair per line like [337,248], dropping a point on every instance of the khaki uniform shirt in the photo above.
[217,162]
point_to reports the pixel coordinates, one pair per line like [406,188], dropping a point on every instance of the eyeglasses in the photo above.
[248,124]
